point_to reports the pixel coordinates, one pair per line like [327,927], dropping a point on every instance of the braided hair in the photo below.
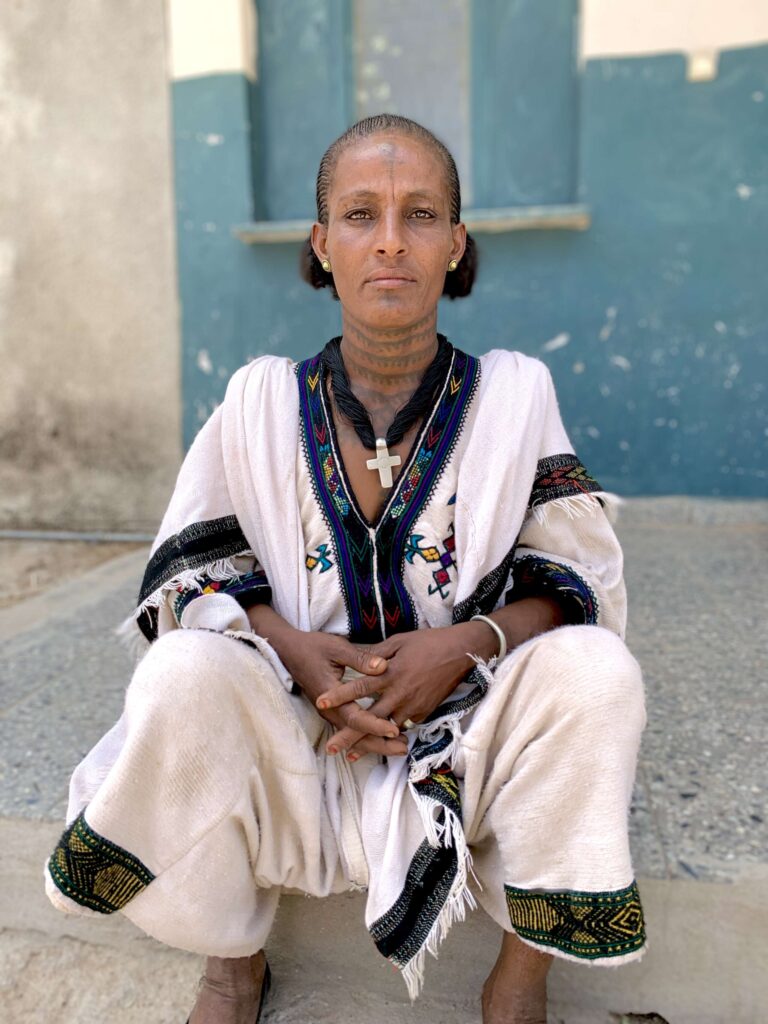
[458,283]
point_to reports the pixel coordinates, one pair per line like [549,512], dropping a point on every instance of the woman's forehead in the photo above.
[387,161]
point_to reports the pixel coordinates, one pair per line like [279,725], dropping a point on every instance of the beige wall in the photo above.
[623,27]
[89,348]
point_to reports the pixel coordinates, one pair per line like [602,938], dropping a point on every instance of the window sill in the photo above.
[568,217]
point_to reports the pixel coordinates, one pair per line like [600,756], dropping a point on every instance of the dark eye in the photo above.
[423,214]
[358,214]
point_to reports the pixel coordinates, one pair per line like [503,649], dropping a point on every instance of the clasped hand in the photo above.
[409,675]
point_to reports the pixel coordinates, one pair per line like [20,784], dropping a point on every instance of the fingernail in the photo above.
[375,663]
[323,705]
[333,750]
[353,757]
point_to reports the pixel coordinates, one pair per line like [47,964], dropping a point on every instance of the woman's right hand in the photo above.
[317,662]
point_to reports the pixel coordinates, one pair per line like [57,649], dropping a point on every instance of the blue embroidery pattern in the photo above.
[320,557]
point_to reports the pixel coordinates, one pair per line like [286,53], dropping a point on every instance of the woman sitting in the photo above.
[386,610]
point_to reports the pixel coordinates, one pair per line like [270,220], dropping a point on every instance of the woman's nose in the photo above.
[390,238]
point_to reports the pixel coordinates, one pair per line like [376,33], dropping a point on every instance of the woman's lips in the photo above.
[382,279]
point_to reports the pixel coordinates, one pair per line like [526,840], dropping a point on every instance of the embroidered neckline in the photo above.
[368,558]
[402,478]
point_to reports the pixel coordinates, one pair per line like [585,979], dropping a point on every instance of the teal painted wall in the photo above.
[654,321]
[525,102]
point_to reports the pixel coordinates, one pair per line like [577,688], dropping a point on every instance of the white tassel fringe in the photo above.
[579,505]
[448,832]
[190,579]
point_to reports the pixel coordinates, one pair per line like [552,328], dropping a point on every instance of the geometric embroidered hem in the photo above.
[94,872]
[561,476]
[584,924]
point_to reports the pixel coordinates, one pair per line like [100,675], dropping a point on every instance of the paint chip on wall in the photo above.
[622,362]
[204,361]
[702,66]
[559,341]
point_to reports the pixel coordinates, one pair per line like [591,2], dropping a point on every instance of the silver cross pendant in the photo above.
[383,462]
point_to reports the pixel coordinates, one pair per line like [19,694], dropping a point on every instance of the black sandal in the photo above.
[266,984]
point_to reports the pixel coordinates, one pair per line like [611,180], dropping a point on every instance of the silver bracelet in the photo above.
[497,630]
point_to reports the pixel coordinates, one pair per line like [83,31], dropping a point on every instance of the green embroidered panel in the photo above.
[583,924]
[94,872]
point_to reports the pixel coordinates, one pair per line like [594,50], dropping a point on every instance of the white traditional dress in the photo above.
[213,792]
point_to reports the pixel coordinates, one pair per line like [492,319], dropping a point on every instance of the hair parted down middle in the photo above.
[458,283]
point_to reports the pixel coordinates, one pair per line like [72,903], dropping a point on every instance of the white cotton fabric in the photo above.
[513,421]
[354,826]
[218,780]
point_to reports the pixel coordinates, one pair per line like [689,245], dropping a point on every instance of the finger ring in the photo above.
[409,724]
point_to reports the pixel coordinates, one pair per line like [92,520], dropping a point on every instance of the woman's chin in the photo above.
[389,310]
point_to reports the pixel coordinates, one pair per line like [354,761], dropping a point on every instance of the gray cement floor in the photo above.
[695,573]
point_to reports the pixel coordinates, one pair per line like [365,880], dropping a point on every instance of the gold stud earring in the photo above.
[326,265]
[452,265]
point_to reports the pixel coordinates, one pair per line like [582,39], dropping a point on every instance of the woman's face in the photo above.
[389,236]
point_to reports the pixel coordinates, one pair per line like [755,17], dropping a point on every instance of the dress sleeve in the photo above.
[202,572]
[221,603]
[575,558]
[567,548]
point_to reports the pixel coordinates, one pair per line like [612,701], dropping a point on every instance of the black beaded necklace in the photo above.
[352,409]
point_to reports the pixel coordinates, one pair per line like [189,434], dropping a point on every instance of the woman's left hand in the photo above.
[424,667]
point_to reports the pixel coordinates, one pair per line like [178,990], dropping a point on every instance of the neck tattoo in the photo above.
[353,410]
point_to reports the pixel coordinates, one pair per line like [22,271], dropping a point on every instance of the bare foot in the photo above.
[515,991]
[230,990]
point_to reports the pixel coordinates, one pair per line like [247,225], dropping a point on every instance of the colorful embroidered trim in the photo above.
[534,576]
[583,924]
[366,564]
[249,588]
[94,872]
[561,476]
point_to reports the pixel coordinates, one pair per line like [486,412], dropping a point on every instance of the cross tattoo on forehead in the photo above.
[383,462]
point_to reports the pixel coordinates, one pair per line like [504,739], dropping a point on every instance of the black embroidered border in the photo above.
[94,872]
[561,476]
[349,536]
[535,576]
[441,785]
[350,532]
[400,933]
[582,924]
[194,547]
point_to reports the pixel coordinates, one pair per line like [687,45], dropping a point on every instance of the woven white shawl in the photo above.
[243,464]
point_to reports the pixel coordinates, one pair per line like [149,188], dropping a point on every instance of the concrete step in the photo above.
[705,964]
